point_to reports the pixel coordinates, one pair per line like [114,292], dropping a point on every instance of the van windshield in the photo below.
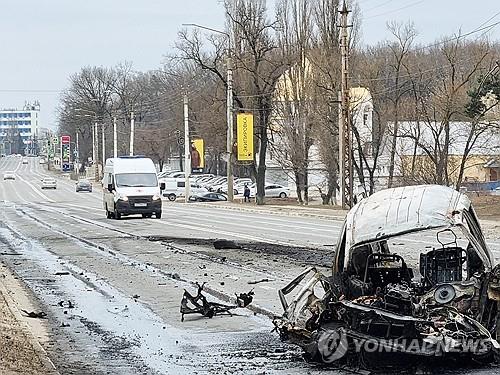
[136,180]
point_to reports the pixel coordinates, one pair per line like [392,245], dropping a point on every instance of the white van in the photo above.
[130,186]
[176,187]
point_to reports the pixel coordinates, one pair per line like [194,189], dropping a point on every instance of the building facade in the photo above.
[19,129]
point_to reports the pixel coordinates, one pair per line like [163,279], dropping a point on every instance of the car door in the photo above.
[271,191]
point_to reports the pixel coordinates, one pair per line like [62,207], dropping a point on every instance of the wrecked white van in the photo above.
[412,277]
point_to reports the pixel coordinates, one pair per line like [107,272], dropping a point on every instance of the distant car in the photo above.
[208,197]
[42,161]
[84,185]
[9,176]
[272,191]
[49,183]
[25,161]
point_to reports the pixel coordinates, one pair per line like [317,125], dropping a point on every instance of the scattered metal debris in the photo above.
[244,299]
[259,281]
[66,304]
[35,315]
[199,305]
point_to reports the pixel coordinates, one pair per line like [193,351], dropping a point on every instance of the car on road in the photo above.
[412,275]
[9,176]
[208,197]
[49,183]
[25,161]
[84,185]
[42,161]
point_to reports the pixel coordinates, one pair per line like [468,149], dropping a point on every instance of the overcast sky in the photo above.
[43,42]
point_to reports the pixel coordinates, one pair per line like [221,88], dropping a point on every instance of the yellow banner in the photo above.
[197,154]
[244,122]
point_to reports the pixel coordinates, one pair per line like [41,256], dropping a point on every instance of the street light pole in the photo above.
[115,139]
[187,149]
[96,153]
[103,147]
[132,125]
[230,189]
[229,104]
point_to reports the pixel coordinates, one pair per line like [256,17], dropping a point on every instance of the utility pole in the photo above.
[95,152]
[230,189]
[345,134]
[77,154]
[103,148]
[187,149]
[115,139]
[132,133]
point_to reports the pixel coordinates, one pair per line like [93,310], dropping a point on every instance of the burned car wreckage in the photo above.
[412,276]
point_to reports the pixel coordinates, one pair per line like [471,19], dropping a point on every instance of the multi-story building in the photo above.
[19,129]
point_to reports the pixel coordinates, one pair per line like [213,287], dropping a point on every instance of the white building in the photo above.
[19,125]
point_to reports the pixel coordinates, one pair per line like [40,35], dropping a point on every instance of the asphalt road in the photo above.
[125,278]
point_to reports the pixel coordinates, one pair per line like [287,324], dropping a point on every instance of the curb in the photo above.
[276,213]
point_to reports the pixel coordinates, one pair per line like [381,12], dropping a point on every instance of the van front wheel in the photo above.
[117,215]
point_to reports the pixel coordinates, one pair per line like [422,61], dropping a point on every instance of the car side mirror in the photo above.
[110,187]
[162,186]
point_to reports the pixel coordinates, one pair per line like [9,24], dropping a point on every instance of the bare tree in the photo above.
[404,34]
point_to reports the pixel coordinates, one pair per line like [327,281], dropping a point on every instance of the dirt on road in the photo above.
[19,351]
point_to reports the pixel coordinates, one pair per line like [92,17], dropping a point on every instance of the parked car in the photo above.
[25,160]
[412,279]
[9,176]
[49,183]
[42,161]
[271,191]
[208,197]
[176,187]
[84,185]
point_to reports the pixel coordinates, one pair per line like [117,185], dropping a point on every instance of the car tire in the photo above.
[158,215]
[172,197]
[282,195]
[117,215]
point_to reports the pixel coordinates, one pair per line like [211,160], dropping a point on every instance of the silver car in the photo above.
[49,183]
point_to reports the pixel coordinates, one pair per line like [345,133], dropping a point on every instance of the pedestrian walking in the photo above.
[246,193]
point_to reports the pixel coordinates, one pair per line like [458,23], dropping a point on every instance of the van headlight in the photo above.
[123,198]
[156,197]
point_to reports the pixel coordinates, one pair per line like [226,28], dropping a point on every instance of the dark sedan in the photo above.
[208,197]
[83,185]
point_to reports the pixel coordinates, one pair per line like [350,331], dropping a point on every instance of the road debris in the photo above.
[66,304]
[259,281]
[200,305]
[35,315]
[226,245]
[244,299]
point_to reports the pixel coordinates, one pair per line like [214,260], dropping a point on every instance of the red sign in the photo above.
[65,140]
